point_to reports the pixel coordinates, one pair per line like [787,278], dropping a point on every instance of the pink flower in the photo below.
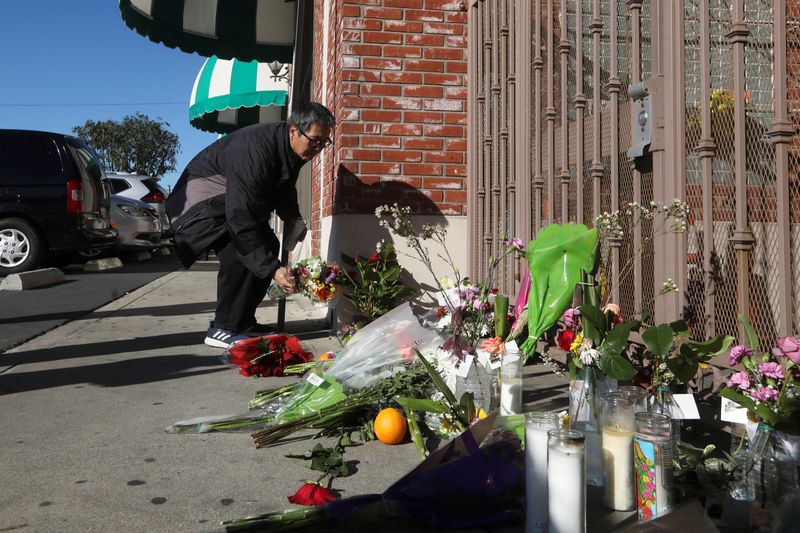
[788,347]
[611,308]
[570,318]
[771,370]
[765,394]
[739,380]
[736,354]
[517,243]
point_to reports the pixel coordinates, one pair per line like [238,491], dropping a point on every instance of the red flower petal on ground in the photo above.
[312,494]
[374,257]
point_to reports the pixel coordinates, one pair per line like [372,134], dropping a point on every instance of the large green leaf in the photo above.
[616,367]
[594,322]
[556,258]
[750,336]
[739,398]
[683,368]
[419,404]
[658,340]
[617,339]
[707,349]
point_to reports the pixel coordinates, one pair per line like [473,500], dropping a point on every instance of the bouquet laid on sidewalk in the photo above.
[317,279]
[266,356]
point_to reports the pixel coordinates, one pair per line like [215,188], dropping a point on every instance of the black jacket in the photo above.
[230,189]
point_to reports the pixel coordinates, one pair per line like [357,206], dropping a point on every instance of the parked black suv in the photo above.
[53,200]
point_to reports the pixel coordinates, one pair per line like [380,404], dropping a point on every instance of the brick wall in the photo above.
[395,78]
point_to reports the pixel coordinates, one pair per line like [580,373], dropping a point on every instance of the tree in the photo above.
[137,144]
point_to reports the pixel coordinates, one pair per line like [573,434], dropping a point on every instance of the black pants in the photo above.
[239,291]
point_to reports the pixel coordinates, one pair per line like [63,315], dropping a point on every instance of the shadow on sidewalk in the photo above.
[155,311]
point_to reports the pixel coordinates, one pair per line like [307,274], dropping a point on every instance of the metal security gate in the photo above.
[551,123]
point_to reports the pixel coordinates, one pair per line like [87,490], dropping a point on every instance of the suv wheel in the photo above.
[20,246]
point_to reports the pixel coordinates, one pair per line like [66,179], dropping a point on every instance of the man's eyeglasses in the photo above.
[315,141]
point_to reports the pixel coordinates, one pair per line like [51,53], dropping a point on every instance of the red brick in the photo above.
[383,37]
[444,105]
[444,53]
[459,93]
[425,15]
[441,131]
[362,24]
[402,129]
[455,170]
[402,77]
[362,49]
[413,182]
[453,41]
[423,91]
[351,11]
[444,157]
[424,40]
[403,26]
[363,2]
[351,88]
[382,64]
[351,127]
[455,196]
[401,155]
[413,4]
[360,101]
[368,180]
[422,169]
[361,155]
[402,103]
[424,65]
[380,168]
[402,51]
[360,75]
[457,66]
[443,28]
[381,89]
[422,116]
[378,141]
[423,144]
[456,144]
[348,141]
[455,118]
[351,35]
[445,5]
[382,13]
[380,115]
[456,18]
[442,79]
[443,183]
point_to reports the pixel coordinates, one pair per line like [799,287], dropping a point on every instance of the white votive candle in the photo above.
[566,482]
[536,427]
[618,488]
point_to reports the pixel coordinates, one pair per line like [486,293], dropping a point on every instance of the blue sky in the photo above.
[82,52]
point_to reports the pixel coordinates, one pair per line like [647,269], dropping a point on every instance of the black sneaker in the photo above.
[223,338]
[259,330]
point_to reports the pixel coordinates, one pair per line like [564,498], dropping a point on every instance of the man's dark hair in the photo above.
[311,113]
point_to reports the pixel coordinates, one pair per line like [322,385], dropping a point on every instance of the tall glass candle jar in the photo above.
[511,384]
[652,455]
[617,439]
[566,481]
[536,427]
[637,395]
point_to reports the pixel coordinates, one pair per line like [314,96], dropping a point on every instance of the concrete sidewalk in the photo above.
[84,407]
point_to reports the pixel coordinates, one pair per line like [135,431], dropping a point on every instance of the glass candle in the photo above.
[536,427]
[637,395]
[652,455]
[617,438]
[511,384]
[566,481]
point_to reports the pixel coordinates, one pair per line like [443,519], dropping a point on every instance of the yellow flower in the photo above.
[576,343]
[480,414]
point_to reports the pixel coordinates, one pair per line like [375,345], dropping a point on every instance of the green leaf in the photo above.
[678,326]
[658,340]
[684,369]
[594,322]
[617,339]
[437,380]
[418,404]
[767,414]
[711,347]
[750,336]
[556,258]
[616,367]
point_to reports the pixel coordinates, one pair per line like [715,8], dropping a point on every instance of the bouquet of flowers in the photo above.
[767,386]
[316,279]
[266,356]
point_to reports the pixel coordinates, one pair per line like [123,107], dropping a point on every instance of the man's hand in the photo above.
[283,280]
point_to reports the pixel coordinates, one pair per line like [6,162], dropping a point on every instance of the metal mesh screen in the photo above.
[793,91]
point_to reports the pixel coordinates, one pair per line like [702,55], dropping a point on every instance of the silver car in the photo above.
[144,188]
[138,224]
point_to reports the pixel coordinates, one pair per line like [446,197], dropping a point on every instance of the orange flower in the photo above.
[495,345]
[323,293]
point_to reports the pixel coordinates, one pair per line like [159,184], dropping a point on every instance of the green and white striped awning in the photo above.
[229,94]
[261,30]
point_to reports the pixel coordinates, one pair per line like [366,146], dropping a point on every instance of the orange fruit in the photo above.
[390,426]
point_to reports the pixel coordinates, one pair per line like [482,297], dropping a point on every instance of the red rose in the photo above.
[374,257]
[312,494]
[565,339]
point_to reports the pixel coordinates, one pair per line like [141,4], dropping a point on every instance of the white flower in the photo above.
[589,356]
[445,362]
